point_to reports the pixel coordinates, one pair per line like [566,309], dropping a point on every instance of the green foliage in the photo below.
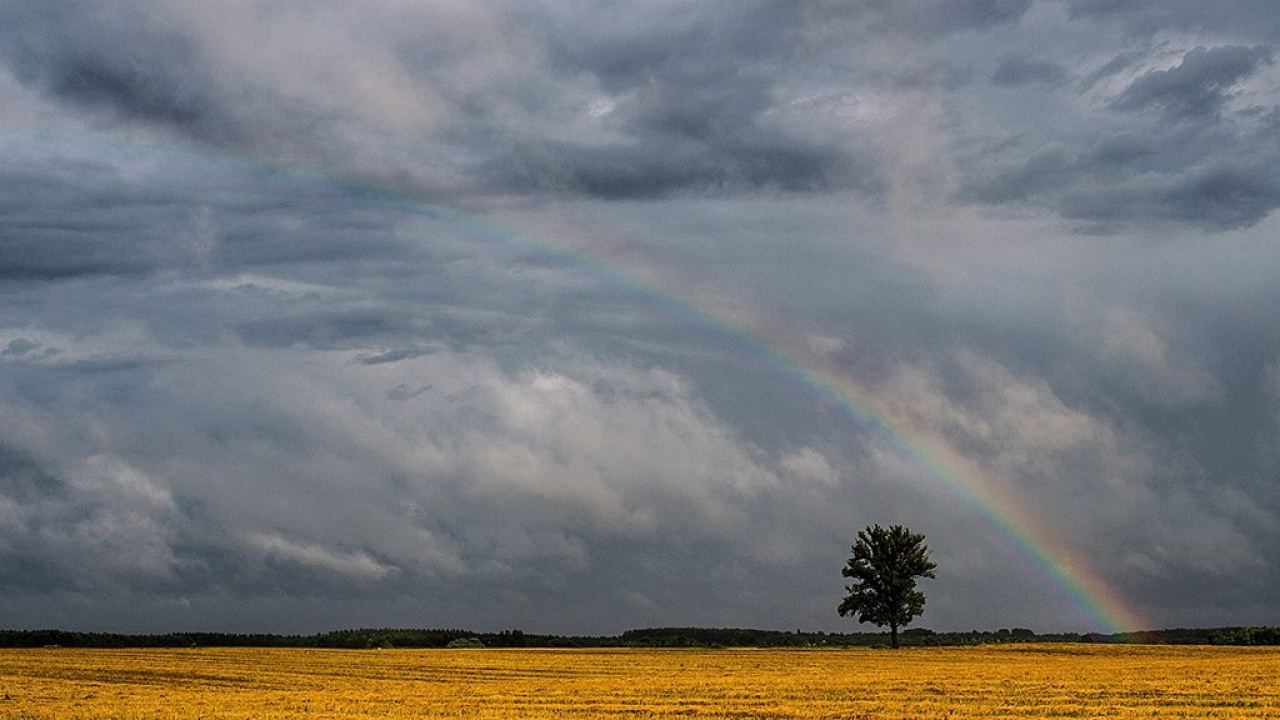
[675,637]
[466,643]
[1246,636]
[884,568]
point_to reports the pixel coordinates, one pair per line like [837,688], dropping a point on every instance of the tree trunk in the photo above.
[893,633]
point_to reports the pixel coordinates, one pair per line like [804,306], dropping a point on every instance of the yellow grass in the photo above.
[1026,681]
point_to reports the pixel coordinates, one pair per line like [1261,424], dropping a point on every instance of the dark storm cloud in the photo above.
[693,94]
[1217,192]
[1188,144]
[694,120]
[262,371]
[691,100]
[114,60]
[132,88]
[83,219]
[1224,195]
[1183,177]
[1198,86]
[696,94]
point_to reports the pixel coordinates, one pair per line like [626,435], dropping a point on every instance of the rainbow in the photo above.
[789,358]
[793,361]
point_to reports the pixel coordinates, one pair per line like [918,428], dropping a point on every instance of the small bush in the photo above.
[466,642]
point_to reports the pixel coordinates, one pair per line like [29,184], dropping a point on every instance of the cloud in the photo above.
[1197,86]
[1015,69]
[1211,181]
[96,524]
[810,465]
[930,17]
[1029,442]
[687,111]
[505,478]
[1244,17]
[18,347]
[526,313]
[355,565]
[696,101]
[1130,341]
[78,56]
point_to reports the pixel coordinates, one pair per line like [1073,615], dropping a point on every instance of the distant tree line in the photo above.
[359,639]
[1246,636]
[671,637]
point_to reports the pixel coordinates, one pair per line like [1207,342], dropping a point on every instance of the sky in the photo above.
[577,316]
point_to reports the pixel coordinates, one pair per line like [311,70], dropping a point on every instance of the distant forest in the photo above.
[646,638]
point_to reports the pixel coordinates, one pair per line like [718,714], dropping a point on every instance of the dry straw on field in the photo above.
[1027,681]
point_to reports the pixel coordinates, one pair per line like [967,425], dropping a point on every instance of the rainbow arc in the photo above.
[936,462]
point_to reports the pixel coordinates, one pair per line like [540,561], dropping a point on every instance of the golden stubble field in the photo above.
[1027,681]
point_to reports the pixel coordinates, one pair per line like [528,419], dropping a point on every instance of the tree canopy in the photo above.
[884,568]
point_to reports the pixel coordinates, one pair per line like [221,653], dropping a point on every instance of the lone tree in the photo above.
[884,566]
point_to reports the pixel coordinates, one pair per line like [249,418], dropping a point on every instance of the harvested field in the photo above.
[1030,681]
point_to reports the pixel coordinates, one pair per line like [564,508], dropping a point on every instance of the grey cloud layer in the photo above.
[457,314]
[694,98]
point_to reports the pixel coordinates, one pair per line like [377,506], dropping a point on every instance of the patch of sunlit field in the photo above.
[1025,681]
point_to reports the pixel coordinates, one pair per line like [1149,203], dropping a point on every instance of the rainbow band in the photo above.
[950,474]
